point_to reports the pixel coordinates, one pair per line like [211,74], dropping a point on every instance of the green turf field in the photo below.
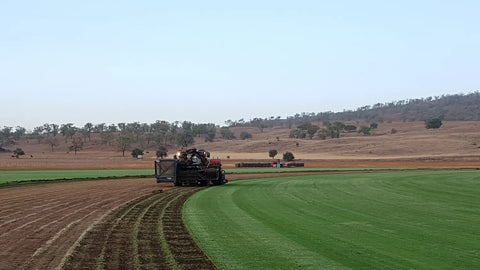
[398,220]
[12,177]
[290,170]
[22,177]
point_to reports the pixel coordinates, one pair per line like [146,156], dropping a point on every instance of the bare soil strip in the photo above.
[39,224]
[146,234]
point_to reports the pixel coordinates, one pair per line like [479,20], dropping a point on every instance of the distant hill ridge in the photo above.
[457,107]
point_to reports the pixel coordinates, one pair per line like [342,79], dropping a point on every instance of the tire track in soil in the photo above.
[57,216]
[148,233]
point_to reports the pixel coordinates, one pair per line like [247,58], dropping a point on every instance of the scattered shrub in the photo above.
[137,152]
[245,135]
[433,123]
[18,152]
[272,153]
[365,130]
[162,152]
[288,156]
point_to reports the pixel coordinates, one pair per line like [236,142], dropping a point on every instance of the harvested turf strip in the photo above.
[148,233]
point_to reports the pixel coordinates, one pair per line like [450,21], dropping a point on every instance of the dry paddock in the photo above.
[40,224]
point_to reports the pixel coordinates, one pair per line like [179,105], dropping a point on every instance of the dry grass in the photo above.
[455,144]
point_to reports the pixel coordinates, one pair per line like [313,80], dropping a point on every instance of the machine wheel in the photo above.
[205,183]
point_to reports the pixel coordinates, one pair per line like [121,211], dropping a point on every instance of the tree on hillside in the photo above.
[137,152]
[18,133]
[334,130]
[99,128]
[122,127]
[226,133]
[68,130]
[50,129]
[18,152]
[47,129]
[52,141]
[106,137]
[312,130]
[365,130]
[112,128]
[162,152]
[245,135]
[288,156]
[350,128]
[76,144]
[433,123]
[5,134]
[210,135]
[123,143]
[323,133]
[337,127]
[88,128]
[37,133]
[134,128]
[54,128]
[272,153]
[304,129]
[185,139]
[298,134]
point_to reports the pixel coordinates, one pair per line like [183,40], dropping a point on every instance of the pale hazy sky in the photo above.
[210,61]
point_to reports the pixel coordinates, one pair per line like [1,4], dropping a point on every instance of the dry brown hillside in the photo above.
[411,139]
[457,142]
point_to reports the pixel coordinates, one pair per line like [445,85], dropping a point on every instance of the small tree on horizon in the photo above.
[272,153]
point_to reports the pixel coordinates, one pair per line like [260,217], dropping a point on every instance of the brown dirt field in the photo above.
[455,144]
[146,234]
[39,224]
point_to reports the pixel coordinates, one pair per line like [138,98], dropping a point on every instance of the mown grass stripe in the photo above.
[398,220]
[22,177]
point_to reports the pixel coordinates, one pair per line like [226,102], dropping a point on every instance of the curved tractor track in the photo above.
[109,224]
[146,234]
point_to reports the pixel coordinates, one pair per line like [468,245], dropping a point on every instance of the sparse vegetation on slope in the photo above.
[458,107]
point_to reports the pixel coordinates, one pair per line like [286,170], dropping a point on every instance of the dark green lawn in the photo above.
[22,177]
[13,177]
[398,220]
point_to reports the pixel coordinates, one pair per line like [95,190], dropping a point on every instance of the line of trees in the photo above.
[287,156]
[120,136]
[308,130]
[458,107]
[9,136]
